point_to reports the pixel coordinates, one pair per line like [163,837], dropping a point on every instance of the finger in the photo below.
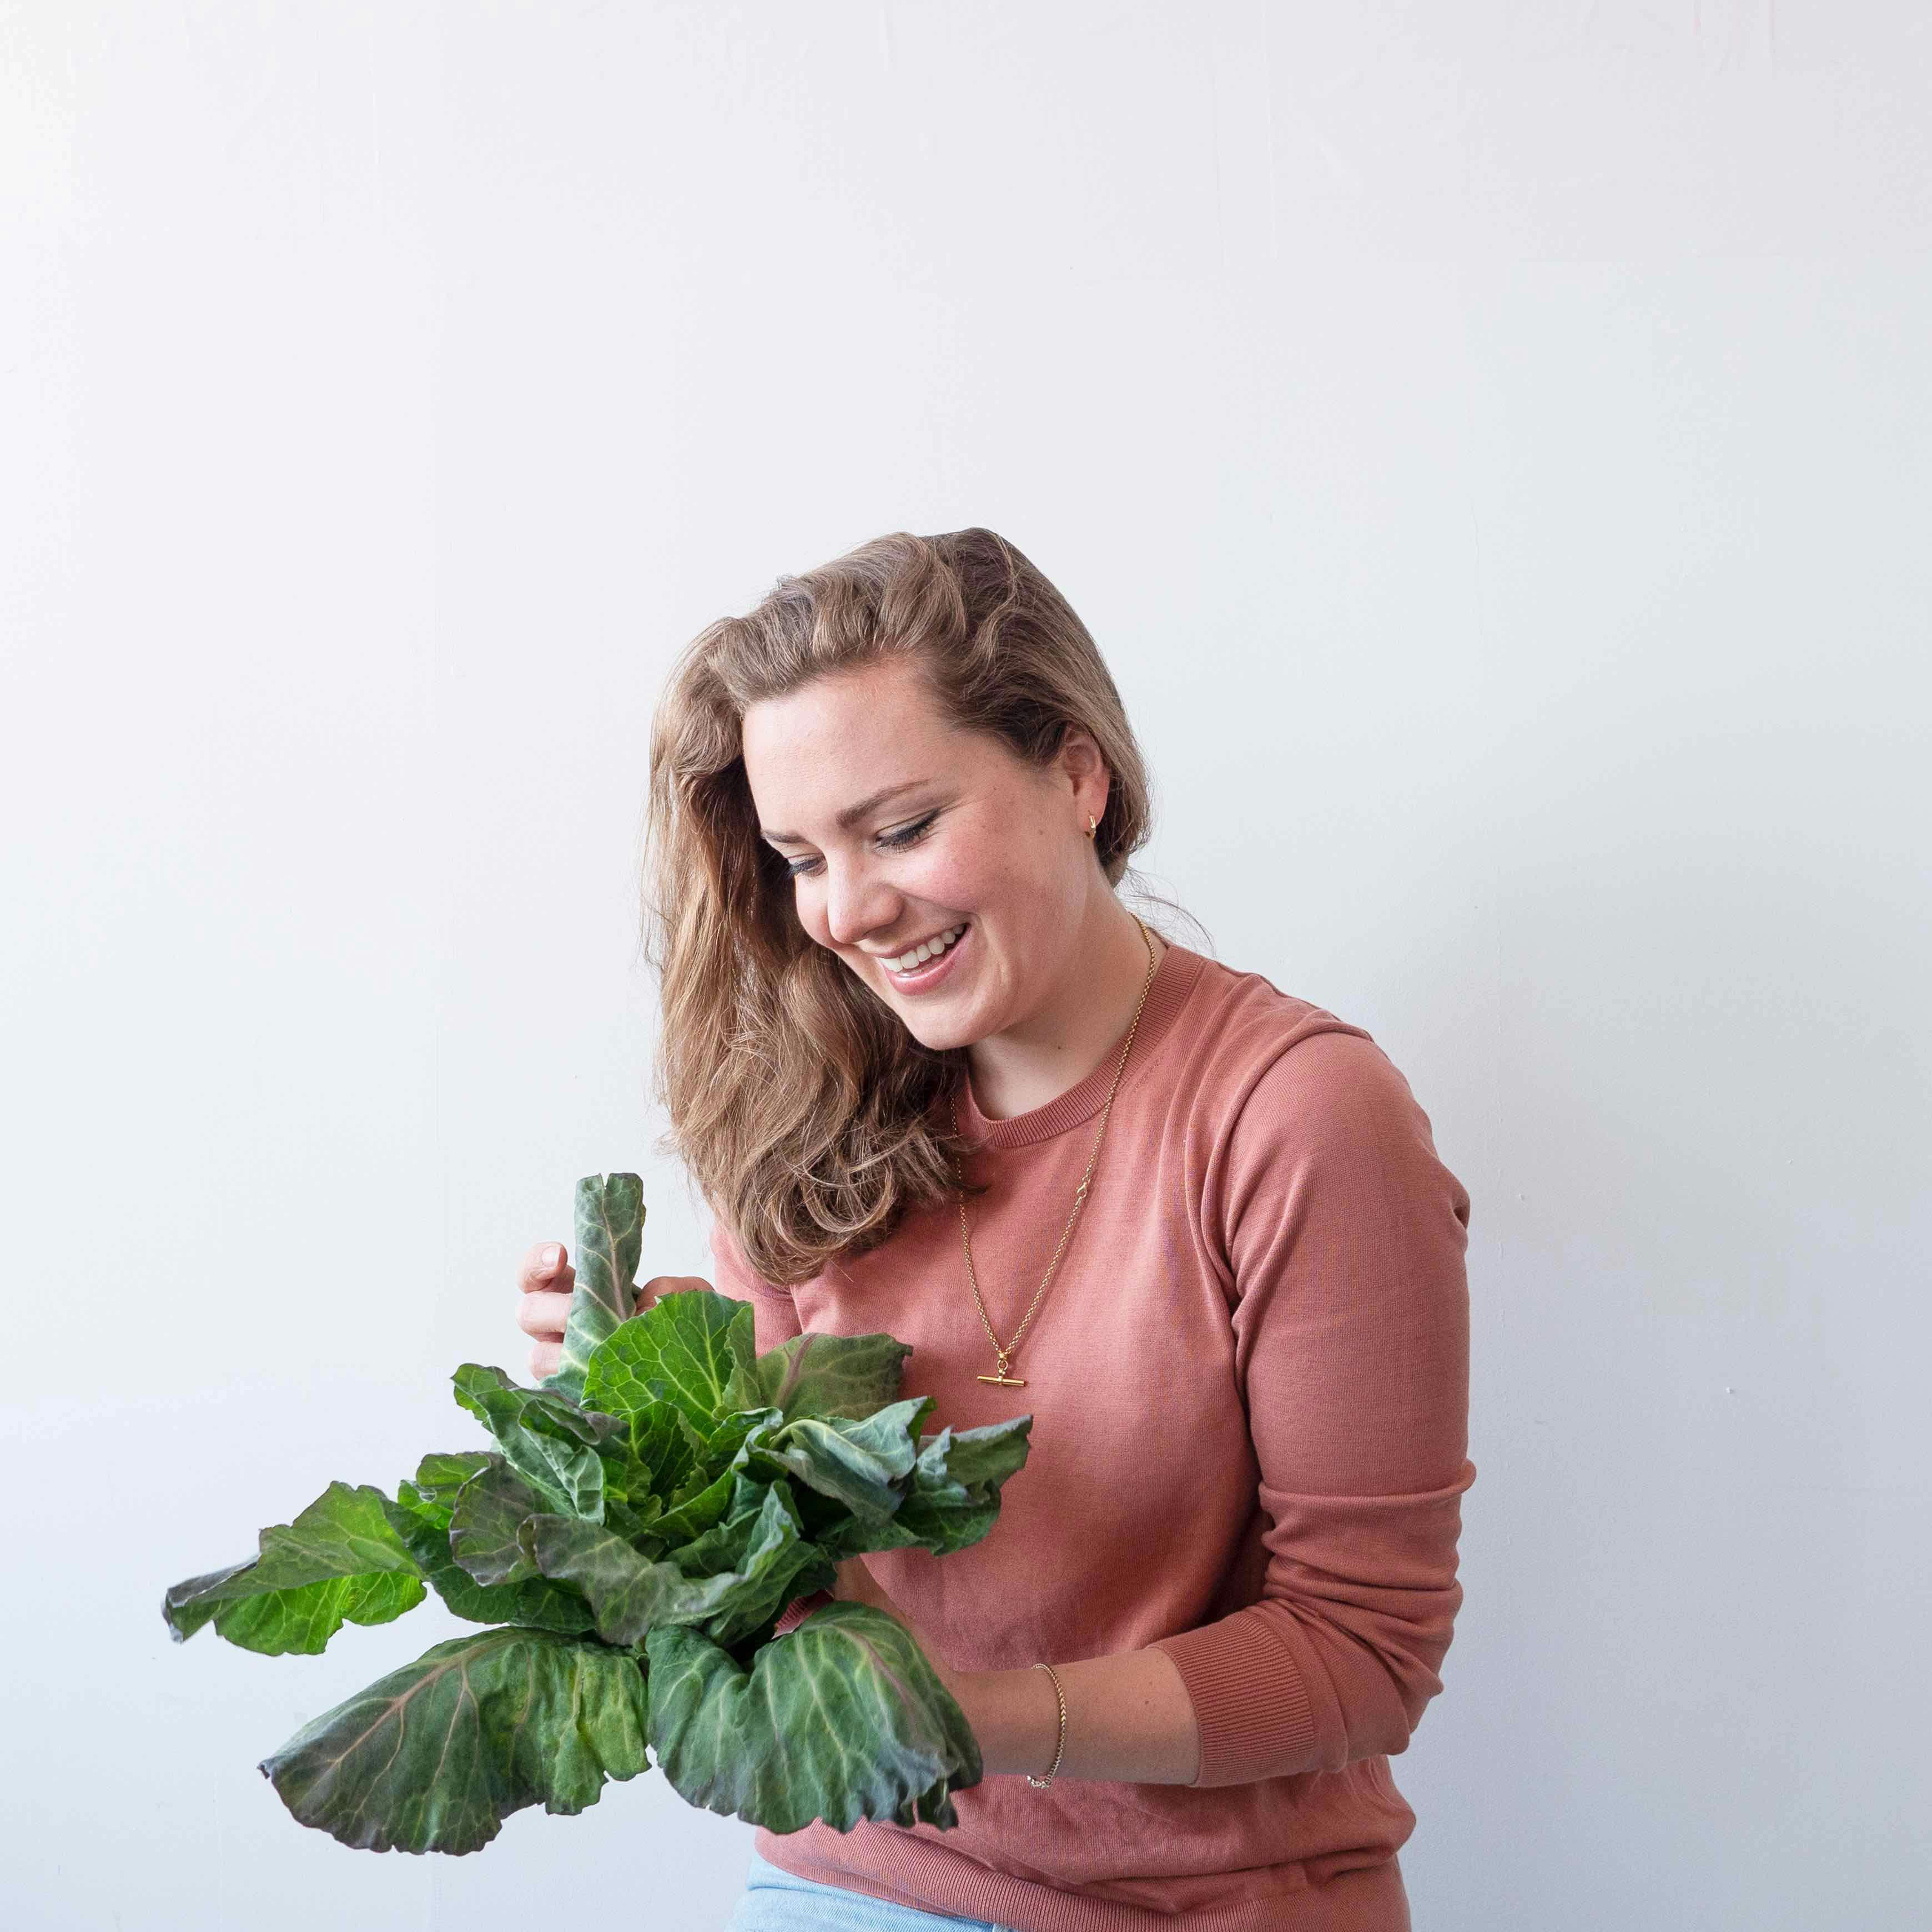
[544,1266]
[651,1292]
[544,1358]
[561,1282]
[654,1290]
[544,1315]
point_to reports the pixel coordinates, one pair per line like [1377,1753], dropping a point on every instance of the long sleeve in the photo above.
[1344,1237]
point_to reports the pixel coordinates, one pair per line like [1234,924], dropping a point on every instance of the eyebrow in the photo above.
[851,815]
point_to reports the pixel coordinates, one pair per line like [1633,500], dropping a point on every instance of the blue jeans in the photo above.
[774,1901]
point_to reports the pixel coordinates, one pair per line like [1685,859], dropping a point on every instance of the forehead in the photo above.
[840,736]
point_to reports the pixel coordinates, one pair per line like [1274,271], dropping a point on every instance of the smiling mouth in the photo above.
[916,959]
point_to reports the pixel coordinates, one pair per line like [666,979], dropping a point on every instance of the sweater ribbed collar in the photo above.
[1174,979]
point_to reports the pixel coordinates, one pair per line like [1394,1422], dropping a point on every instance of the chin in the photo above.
[943,1032]
[937,1039]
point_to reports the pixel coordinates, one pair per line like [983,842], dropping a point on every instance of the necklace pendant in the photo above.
[1005,1381]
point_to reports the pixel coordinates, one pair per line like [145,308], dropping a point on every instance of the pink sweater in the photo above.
[1249,1382]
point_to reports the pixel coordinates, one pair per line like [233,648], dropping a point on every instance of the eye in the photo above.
[895,841]
[911,835]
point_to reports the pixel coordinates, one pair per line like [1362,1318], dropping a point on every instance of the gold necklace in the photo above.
[1005,1355]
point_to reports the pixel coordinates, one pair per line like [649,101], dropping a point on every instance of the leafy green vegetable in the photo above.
[848,1375]
[421,1516]
[610,1228]
[433,1756]
[632,1537]
[691,1354]
[627,1592]
[341,1559]
[844,1719]
[664,1447]
[859,1464]
[547,1440]
[486,1522]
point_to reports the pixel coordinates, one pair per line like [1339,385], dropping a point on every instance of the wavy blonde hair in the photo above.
[798,1100]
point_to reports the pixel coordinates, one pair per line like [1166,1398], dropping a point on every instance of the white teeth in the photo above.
[930,949]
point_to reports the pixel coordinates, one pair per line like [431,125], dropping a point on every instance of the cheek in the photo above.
[972,868]
[975,889]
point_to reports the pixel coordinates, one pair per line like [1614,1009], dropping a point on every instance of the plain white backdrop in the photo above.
[1492,444]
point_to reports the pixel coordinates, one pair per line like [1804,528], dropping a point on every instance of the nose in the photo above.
[857,901]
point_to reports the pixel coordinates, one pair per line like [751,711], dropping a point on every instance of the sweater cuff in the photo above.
[1251,1702]
[796,1612]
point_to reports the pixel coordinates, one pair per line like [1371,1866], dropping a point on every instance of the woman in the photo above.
[935,1078]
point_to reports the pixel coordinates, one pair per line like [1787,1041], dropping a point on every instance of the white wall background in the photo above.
[1490,442]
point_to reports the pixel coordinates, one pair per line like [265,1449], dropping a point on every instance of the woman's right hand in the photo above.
[544,1288]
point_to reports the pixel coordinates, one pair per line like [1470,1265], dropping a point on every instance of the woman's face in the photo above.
[970,836]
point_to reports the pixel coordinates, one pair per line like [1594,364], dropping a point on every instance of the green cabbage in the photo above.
[636,1532]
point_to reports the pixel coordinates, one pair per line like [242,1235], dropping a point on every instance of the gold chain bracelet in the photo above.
[1041,1784]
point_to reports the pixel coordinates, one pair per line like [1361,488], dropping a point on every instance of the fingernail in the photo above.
[552,1255]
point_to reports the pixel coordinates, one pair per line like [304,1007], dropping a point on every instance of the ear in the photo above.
[1084,768]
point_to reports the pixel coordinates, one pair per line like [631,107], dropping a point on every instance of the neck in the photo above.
[1082,1023]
